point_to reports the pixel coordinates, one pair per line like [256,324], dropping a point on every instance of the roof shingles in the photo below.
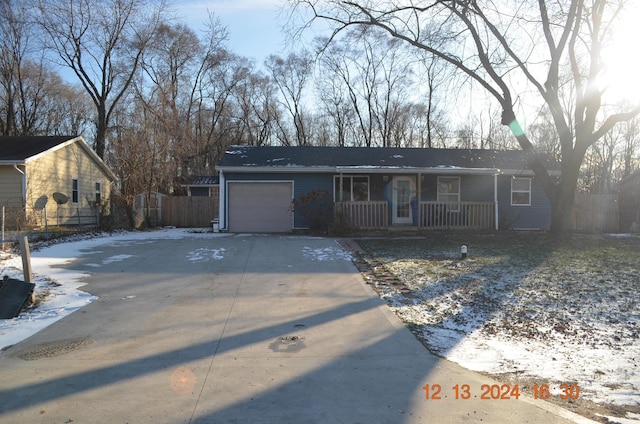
[24,147]
[387,157]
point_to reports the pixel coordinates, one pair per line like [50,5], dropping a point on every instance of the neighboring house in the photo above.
[32,169]
[268,189]
[629,203]
[203,185]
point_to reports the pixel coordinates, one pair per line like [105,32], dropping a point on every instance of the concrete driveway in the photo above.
[237,329]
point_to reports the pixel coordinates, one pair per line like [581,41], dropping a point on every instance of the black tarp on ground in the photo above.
[13,296]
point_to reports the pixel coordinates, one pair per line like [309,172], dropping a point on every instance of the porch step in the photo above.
[403,229]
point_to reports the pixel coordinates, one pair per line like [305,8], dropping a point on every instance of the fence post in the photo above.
[26,259]
[26,264]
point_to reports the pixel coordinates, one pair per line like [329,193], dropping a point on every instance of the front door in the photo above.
[403,191]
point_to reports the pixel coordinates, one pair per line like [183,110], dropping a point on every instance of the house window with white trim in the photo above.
[98,194]
[521,192]
[449,189]
[74,190]
[354,189]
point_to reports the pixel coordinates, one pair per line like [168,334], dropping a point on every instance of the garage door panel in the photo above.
[260,207]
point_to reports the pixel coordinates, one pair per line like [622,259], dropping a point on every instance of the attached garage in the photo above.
[260,207]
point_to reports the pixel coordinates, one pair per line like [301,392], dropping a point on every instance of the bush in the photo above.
[317,209]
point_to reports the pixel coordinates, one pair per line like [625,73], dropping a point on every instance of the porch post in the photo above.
[495,199]
[418,196]
[341,187]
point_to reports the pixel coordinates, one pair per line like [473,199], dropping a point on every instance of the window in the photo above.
[98,194]
[449,189]
[74,191]
[521,192]
[354,189]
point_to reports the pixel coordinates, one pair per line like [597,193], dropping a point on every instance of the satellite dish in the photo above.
[41,203]
[60,198]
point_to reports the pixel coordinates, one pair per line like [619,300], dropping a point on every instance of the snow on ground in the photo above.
[630,419]
[203,254]
[325,254]
[60,287]
[556,315]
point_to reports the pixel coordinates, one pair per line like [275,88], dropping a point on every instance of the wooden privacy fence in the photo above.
[596,212]
[189,211]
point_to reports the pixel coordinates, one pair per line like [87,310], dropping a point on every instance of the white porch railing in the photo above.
[363,215]
[471,215]
[431,215]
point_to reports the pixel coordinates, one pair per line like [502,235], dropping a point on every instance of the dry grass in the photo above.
[574,294]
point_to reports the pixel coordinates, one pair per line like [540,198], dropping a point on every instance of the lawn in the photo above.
[523,307]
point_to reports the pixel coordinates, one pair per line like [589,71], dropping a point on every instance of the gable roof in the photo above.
[23,149]
[370,159]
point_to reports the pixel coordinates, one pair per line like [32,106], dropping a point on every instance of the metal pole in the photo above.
[495,199]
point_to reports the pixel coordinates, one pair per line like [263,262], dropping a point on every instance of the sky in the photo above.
[255,31]
[254,26]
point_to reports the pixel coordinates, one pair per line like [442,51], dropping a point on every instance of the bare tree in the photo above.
[34,100]
[332,91]
[257,100]
[485,41]
[101,42]
[631,146]
[291,75]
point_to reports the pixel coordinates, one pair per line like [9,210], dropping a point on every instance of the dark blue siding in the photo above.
[474,188]
[536,216]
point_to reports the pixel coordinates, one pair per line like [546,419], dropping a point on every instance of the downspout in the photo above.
[418,197]
[24,184]
[495,199]
[341,209]
[222,202]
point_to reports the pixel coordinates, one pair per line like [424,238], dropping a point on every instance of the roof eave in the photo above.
[281,169]
[422,170]
[359,170]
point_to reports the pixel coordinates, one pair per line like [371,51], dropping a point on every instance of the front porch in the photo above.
[375,215]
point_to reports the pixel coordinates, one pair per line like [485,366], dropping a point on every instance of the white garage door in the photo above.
[260,207]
